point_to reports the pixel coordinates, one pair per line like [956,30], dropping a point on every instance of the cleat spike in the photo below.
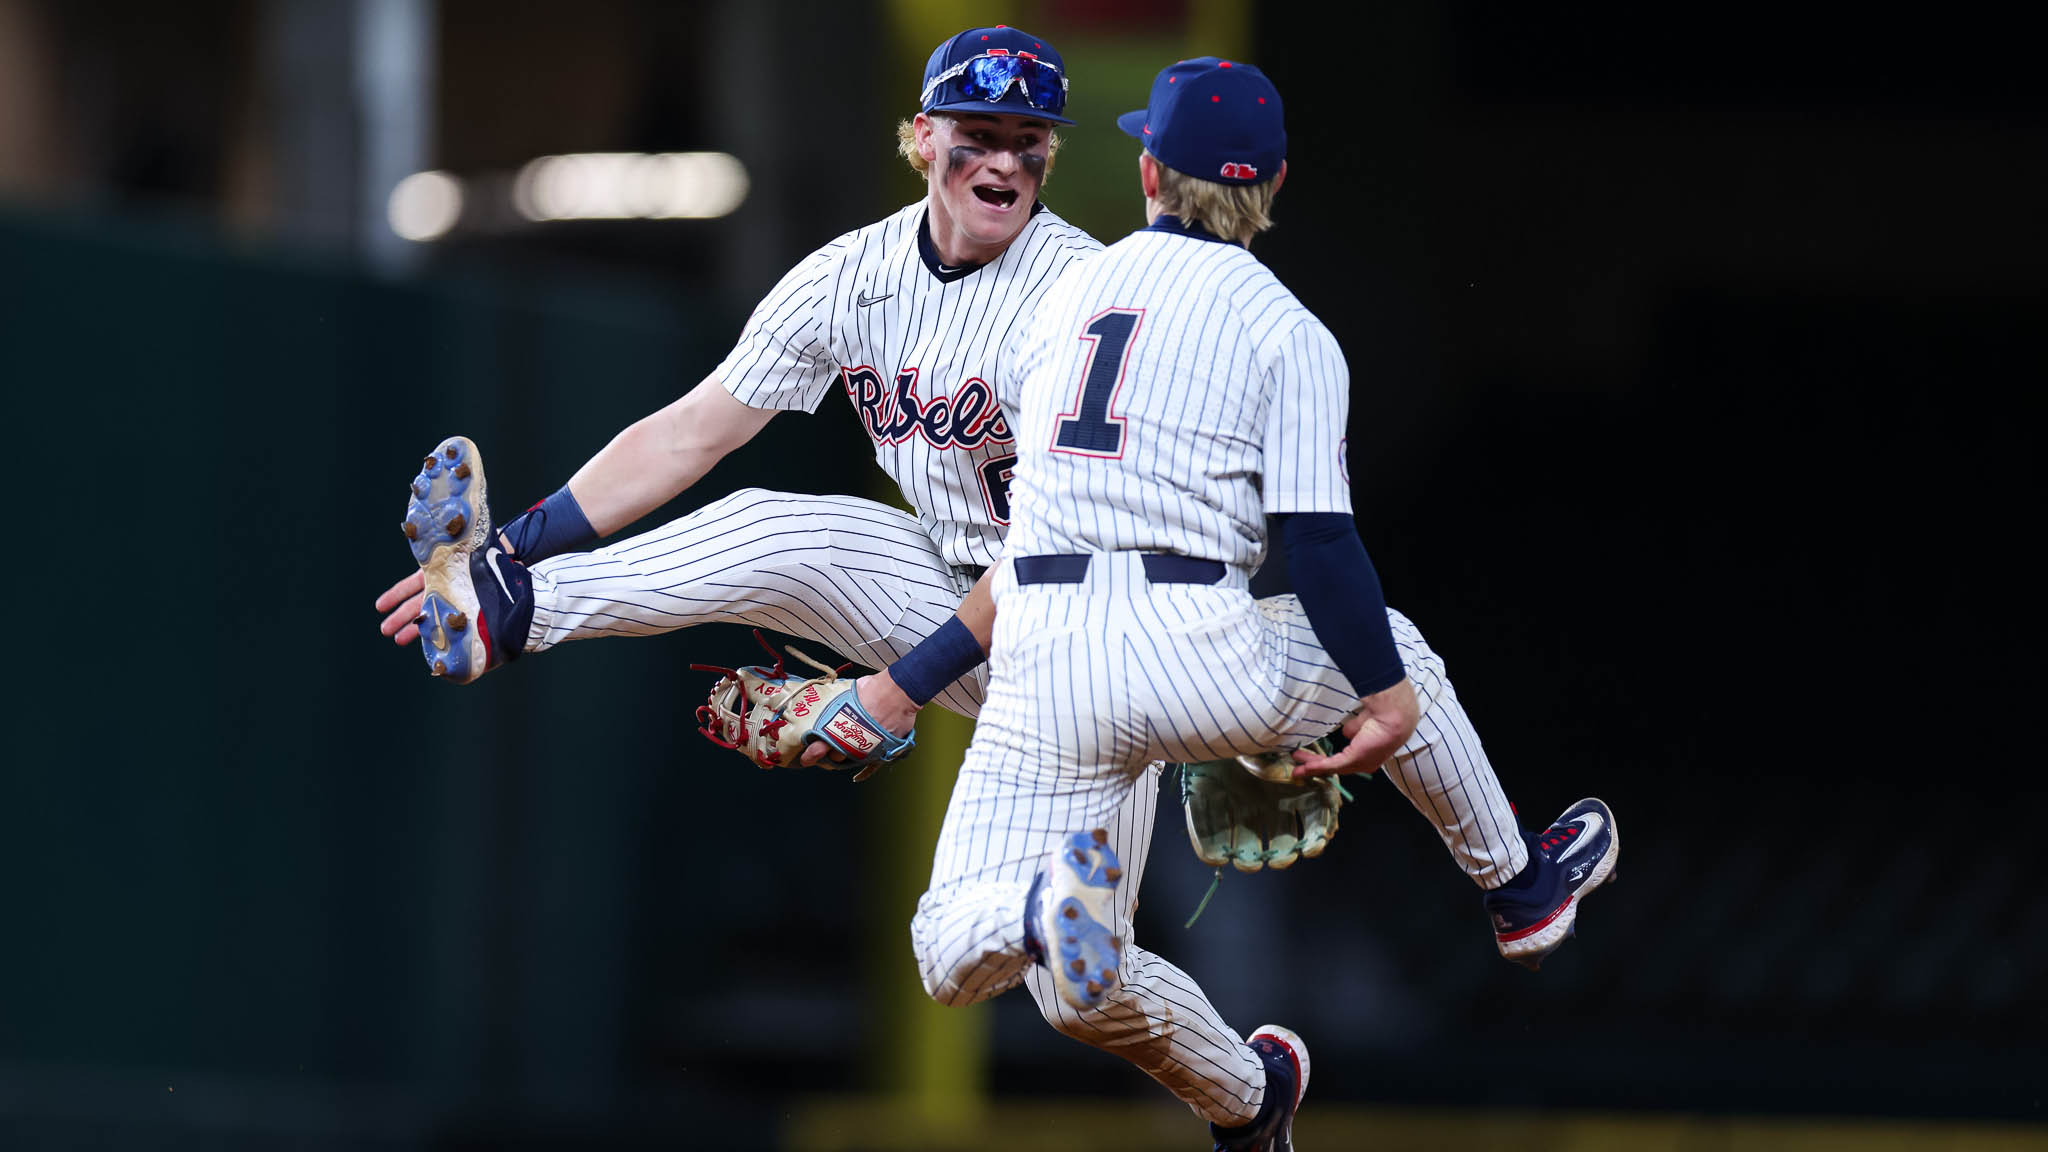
[1094,989]
[462,471]
[457,524]
[440,668]
[457,622]
[411,533]
[1113,874]
[1108,976]
[1071,912]
[1101,835]
[451,452]
[1078,967]
[1079,856]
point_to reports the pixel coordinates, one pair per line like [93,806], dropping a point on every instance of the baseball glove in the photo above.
[770,716]
[1248,811]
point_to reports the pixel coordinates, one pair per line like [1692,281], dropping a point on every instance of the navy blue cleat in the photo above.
[479,601]
[1074,903]
[1573,856]
[1286,1060]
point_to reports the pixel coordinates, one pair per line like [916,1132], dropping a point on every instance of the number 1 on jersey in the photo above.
[1088,429]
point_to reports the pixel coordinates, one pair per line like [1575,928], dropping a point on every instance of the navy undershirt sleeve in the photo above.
[1340,592]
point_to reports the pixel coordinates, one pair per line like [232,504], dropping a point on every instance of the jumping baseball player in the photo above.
[1171,395]
[907,316]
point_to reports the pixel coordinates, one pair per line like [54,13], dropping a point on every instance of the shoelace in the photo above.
[532,524]
[1557,836]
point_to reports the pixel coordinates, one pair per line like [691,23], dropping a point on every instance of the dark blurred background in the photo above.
[1695,356]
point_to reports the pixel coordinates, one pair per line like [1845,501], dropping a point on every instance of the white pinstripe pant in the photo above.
[861,578]
[1092,684]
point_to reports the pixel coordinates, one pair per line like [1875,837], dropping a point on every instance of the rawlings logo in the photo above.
[969,418]
[852,734]
[1232,170]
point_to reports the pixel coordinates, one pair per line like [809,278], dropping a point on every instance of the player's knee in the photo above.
[942,984]
[932,964]
[953,974]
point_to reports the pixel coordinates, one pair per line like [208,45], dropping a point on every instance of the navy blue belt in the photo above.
[1160,568]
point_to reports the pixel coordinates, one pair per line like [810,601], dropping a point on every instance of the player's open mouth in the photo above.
[996,197]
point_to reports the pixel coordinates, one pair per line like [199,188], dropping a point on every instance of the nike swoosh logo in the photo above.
[491,558]
[865,300]
[1594,822]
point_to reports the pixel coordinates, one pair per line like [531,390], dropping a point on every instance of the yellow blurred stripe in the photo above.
[847,1124]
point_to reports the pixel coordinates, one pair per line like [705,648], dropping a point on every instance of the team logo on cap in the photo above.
[1232,170]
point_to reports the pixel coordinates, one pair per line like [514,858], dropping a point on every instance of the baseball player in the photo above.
[907,316]
[1171,394]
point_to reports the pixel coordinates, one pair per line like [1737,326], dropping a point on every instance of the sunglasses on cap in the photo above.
[989,76]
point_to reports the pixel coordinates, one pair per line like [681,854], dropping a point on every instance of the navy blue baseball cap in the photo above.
[1213,119]
[999,70]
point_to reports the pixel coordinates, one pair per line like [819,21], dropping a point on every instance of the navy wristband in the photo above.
[938,660]
[1340,593]
[549,528]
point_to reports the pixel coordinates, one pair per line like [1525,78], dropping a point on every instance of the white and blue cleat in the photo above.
[1272,1130]
[1077,918]
[478,600]
[1573,856]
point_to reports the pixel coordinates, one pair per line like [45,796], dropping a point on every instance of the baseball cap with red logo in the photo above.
[1213,119]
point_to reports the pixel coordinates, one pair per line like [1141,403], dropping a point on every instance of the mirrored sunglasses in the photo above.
[990,76]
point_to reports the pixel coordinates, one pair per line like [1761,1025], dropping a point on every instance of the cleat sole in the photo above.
[446,521]
[448,506]
[1085,948]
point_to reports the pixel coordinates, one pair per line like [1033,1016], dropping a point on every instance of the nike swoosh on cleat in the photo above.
[1594,822]
[492,558]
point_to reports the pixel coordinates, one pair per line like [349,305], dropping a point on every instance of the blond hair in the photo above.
[1233,211]
[906,144]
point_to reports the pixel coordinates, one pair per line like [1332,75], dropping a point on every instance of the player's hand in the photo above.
[884,701]
[1383,723]
[401,605]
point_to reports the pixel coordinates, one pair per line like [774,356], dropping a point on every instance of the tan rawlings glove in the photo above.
[1248,812]
[771,716]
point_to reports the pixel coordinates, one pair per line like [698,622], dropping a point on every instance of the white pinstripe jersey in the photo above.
[915,346]
[1171,394]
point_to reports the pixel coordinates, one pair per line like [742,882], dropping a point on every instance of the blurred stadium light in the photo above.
[425,205]
[628,186]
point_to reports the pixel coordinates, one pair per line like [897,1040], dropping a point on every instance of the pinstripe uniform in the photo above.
[913,345]
[1173,395]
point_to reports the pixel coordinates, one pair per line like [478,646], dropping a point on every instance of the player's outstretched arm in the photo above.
[895,695]
[658,457]
[654,460]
